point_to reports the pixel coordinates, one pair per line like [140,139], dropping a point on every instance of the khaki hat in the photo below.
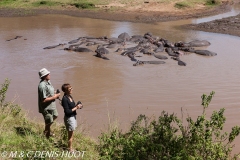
[43,72]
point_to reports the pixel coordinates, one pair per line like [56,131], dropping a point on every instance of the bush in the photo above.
[167,138]
[45,3]
[181,5]
[213,2]
[84,5]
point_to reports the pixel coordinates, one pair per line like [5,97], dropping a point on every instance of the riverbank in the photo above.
[149,12]
[145,13]
[229,25]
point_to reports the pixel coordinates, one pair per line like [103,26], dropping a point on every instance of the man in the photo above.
[46,100]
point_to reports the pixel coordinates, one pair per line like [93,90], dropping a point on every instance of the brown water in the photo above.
[115,89]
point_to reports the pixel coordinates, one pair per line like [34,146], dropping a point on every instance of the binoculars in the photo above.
[79,102]
[57,91]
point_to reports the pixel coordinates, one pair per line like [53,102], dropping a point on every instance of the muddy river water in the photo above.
[115,90]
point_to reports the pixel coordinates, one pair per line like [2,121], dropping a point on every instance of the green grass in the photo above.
[7,2]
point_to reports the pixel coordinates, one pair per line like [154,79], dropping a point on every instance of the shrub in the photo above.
[45,3]
[213,2]
[167,138]
[181,5]
[85,5]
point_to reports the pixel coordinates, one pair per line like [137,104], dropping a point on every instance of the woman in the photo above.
[70,108]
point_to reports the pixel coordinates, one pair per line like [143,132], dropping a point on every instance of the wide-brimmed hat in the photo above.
[43,72]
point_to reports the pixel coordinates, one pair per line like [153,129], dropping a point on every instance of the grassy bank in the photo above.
[162,138]
[102,4]
[19,134]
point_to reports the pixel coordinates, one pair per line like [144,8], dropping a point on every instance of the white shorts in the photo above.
[70,123]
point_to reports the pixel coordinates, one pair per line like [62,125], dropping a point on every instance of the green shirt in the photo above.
[45,90]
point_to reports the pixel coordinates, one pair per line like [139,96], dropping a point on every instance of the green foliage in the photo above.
[181,5]
[167,138]
[83,5]
[9,107]
[3,91]
[213,2]
[45,3]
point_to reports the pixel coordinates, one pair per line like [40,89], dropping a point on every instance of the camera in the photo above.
[79,102]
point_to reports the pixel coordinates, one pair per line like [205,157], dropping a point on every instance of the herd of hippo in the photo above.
[147,45]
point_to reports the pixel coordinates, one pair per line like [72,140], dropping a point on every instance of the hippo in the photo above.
[90,43]
[195,43]
[198,43]
[124,36]
[148,62]
[54,46]
[101,56]
[166,43]
[82,49]
[112,45]
[159,49]
[180,63]
[137,38]
[159,44]
[74,41]
[146,51]
[187,49]
[133,48]
[14,38]
[78,49]
[149,38]
[71,47]
[148,34]
[115,40]
[171,52]
[101,51]
[146,44]
[88,37]
[159,56]
[131,56]
[205,53]
[127,52]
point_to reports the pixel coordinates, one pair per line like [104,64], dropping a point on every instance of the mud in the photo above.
[230,25]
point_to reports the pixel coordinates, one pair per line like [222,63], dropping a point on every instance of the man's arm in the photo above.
[48,99]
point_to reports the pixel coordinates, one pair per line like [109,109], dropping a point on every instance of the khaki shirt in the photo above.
[45,90]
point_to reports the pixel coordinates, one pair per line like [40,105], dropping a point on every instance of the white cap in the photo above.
[43,72]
